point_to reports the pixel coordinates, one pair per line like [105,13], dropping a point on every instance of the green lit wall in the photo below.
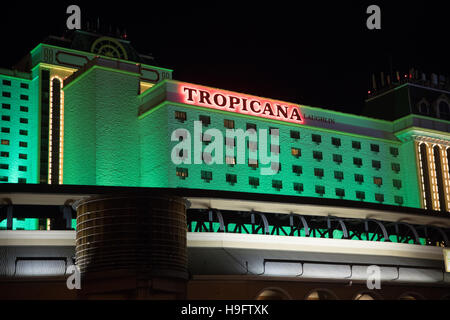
[19,129]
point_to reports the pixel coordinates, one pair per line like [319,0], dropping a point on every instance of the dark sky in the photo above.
[317,53]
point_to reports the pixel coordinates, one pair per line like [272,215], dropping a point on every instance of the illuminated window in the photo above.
[296,152]
[337,158]
[231,178]
[357,162]
[4,166]
[336,142]
[298,170]
[356,145]
[23,144]
[364,296]
[253,181]
[6,106]
[398,200]
[5,142]
[229,124]
[295,134]
[397,183]
[4,154]
[317,155]
[379,197]
[206,175]
[5,130]
[24,85]
[298,187]
[394,151]
[277,184]
[361,195]
[230,160]
[320,295]
[318,173]
[206,121]
[320,190]
[376,164]
[359,178]
[24,97]
[23,156]
[182,172]
[180,116]
[378,181]
[6,118]
[340,193]
[6,94]
[375,148]
[396,167]
[339,175]
[6,82]
[251,126]
[316,138]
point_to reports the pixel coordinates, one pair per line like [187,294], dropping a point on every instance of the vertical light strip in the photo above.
[61,135]
[61,127]
[424,197]
[432,167]
[50,134]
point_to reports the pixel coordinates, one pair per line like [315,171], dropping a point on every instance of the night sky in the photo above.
[314,53]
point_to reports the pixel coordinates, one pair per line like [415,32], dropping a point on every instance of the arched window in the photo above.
[272,294]
[410,296]
[364,296]
[444,110]
[321,294]
[424,107]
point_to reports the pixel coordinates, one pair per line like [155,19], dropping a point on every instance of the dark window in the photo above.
[5,142]
[23,156]
[298,187]
[22,180]
[397,183]
[6,118]
[295,134]
[340,193]
[23,120]
[24,85]
[396,167]
[376,164]
[4,166]
[22,168]
[320,190]
[336,142]
[206,121]
[356,145]
[251,126]
[23,132]
[316,138]
[6,94]
[229,124]
[4,154]
[253,181]
[182,173]
[379,197]
[296,152]
[3,179]
[359,178]
[23,144]
[361,195]
[23,109]
[337,158]
[6,106]
[378,181]
[231,178]
[277,184]
[180,116]
[24,97]
[206,175]
[339,175]
[375,148]
[398,200]
[357,162]
[252,163]
[6,82]
[298,170]
[5,130]
[317,155]
[318,172]
[394,151]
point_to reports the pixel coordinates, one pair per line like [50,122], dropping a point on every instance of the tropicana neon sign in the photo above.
[243,104]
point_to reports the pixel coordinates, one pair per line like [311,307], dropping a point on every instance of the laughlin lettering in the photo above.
[240,104]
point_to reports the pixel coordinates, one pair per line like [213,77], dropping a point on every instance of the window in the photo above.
[318,173]
[180,116]
[24,85]
[298,170]
[394,151]
[6,118]
[23,120]
[23,144]
[4,154]
[252,163]
[337,158]
[336,142]
[23,156]
[229,124]
[444,110]
[398,200]
[340,192]
[356,145]
[360,195]
[6,82]
[379,197]
[359,178]
[275,149]
[320,190]
[317,155]
[5,130]
[274,131]
[378,181]
[23,132]
[251,126]
[6,94]
[277,184]
[253,181]
[5,142]
[4,166]
[22,180]
[206,175]
[182,173]
[3,179]
[296,152]
[316,138]
[6,106]
[23,109]
[231,178]
[206,121]
[424,108]
[231,161]
[396,167]
[295,134]
[375,148]
[357,162]
[339,175]
[376,164]
[397,183]
[24,97]
[298,187]
[22,168]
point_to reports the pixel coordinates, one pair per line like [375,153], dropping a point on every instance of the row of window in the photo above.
[7,106]
[229,124]
[8,118]
[7,94]
[8,130]
[19,180]
[5,154]
[5,166]
[6,142]
[8,83]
